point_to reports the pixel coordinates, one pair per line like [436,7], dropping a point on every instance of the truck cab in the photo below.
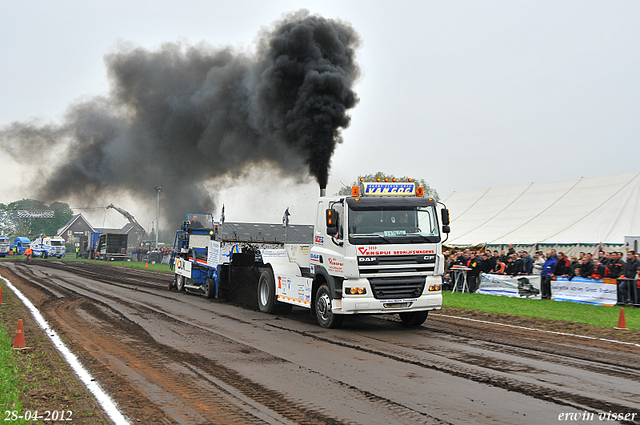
[378,251]
[4,246]
[20,244]
[48,246]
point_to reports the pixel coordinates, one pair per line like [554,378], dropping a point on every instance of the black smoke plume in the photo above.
[183,116]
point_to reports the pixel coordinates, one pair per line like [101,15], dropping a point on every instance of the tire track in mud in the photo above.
[221,378]
[562,398]
[111,329]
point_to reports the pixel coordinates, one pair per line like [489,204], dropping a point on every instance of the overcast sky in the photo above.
[465,94]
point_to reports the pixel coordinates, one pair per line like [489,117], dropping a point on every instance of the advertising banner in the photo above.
[213,254]
[583,290]
[510,286]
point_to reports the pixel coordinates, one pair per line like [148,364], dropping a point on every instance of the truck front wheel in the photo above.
[414,318]
[267,302]
[324,312]
[44,254]
[180,283]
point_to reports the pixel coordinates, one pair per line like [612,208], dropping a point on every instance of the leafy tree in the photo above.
[428,190]
[11,225]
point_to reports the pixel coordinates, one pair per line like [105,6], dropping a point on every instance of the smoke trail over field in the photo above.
[182,116]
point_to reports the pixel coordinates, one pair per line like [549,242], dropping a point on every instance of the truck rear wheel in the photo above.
[267,302]
[415,318]
[44,254]
[180,283]
[324,312]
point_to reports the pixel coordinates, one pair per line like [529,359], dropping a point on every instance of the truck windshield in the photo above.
[57,243]
[389,224]
[200,221]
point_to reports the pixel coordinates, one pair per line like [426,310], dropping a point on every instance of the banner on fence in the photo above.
[583,290]
[510,286]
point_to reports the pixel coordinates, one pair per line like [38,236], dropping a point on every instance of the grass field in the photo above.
[593,315]
[132,264]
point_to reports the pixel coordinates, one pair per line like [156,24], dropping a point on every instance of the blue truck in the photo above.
[193,271]
[20,245]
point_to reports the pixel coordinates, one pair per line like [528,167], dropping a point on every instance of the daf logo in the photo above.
[367,259]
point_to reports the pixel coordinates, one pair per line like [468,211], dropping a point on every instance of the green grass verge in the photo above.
[9,380]
[132,264]
[601,316]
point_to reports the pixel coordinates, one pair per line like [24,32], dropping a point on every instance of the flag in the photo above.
[222,215]
[285,218]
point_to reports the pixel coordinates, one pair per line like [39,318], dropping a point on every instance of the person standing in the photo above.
[546,275]
[474,265]
[629,272]
[538,262]
[562,265]
[28,253]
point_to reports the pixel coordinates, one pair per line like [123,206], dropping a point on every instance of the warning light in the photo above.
[354,291]
[420,191]
[386,179]
[409,179]
[355,191]
[378,179]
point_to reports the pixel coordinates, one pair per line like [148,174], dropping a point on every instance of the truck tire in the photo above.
[324,314]
[415,318]
[180,283]
[44,254]
[267,302]
[209,288]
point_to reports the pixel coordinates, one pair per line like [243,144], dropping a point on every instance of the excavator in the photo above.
[138,228]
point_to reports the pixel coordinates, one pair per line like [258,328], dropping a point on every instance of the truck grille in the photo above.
[388,288]
[396,265]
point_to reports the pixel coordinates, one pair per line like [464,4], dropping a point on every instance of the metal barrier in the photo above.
[628,291]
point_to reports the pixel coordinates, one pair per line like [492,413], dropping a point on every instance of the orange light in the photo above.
[420,191]
[355,191]
[361,179]
[409,179]
[393,179]
[378,179]
[430,199]
[360,290]
[386,179]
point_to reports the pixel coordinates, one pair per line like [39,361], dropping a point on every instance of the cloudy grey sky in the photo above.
[465,94]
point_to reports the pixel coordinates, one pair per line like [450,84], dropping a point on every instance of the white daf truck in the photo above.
[378,251]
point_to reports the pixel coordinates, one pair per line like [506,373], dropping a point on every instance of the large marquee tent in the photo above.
[581,212]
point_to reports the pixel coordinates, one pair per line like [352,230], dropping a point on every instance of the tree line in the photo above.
[12,225]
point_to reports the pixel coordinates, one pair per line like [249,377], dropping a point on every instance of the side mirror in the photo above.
[445,217]
[446,229]
[331,219]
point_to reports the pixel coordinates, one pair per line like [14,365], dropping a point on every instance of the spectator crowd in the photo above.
[549,266]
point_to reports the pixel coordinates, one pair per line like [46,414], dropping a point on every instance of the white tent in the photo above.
[583,211]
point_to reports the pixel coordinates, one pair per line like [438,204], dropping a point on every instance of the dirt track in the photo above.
[167,357]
